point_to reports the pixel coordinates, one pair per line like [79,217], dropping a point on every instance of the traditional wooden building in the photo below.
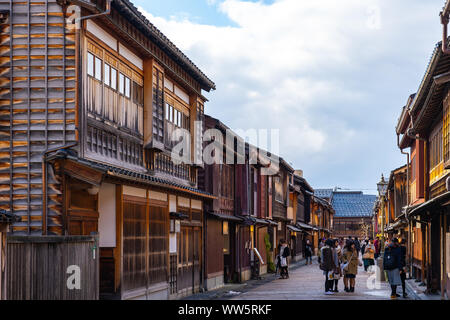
[88,115]
[280,201]
[423,129]
[353,214]
[397,201]
[238,227]
[299,212]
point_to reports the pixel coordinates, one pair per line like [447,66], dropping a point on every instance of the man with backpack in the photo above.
[392,265]
[328,265]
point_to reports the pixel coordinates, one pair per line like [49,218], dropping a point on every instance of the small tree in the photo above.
[365,229]
[270,265]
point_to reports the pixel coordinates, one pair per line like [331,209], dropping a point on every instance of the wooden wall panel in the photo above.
[134,238]
[32,273]
[37,106]
[214,243]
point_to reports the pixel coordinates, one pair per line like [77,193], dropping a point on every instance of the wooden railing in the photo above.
[162,163]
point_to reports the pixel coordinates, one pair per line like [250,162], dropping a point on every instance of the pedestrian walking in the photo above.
[357,245]
[377,244]
[337,255]
[308,252]
[278,268]
[403,267]
[363,246]
[392,265]
[285,252]
[327,265]
[369,255]
[350,262]
[321,244]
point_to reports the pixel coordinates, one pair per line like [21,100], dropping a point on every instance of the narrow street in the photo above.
[307,283]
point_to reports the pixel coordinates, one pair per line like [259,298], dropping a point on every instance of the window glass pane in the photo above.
[167,111]
[121,83]
[90,68]
[114,78]
[107,75]
[127,87]
[98,69]
[171,114]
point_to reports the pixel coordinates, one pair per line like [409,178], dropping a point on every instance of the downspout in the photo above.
[105,13]
[408,201]
[444,21]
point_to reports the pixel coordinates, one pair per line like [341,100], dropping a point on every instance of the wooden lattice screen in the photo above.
[37,107]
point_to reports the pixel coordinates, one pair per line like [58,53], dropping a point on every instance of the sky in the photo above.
[331,76]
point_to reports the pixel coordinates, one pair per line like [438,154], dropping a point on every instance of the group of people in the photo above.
[338,260]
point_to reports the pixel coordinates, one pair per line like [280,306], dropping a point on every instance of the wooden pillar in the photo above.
[443,252]
[118,251]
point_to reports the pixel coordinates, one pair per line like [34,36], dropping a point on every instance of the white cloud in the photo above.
[323,71]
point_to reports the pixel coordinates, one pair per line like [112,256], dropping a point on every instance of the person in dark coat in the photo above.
[328,265]
[285,252]
[308,252]
[403,267]
[357,245]
[392,264]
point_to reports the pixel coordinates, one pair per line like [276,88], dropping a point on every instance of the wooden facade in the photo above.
[88,115]
[423,128]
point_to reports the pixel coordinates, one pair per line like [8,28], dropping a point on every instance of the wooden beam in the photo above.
[442,78]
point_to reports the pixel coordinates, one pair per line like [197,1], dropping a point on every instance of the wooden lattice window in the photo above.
[158,239]
[158,105]
[446,129]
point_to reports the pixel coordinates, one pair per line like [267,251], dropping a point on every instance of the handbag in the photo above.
[344,267]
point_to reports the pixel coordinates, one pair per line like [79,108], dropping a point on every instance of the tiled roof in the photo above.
[128,7]
[353,204]
[323,193]
[130,175]
[6,217]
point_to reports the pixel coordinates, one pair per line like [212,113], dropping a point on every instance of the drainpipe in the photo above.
[408,201]
[105,13]
[444,21]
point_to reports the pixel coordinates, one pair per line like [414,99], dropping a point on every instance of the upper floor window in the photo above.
[279,189]
[124,85]
[94,67]
[177,118]
[110,76]
[436,150]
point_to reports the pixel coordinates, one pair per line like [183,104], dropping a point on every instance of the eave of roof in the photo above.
[136,17]
[133,176]
[427,102]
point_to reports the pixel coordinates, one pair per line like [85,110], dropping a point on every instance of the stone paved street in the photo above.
[307,283]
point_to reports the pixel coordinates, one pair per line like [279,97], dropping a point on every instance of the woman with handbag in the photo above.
[350,263]
[285,252]
[369,255]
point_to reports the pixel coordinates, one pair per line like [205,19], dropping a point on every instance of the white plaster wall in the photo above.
[107,215]
[102,34]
